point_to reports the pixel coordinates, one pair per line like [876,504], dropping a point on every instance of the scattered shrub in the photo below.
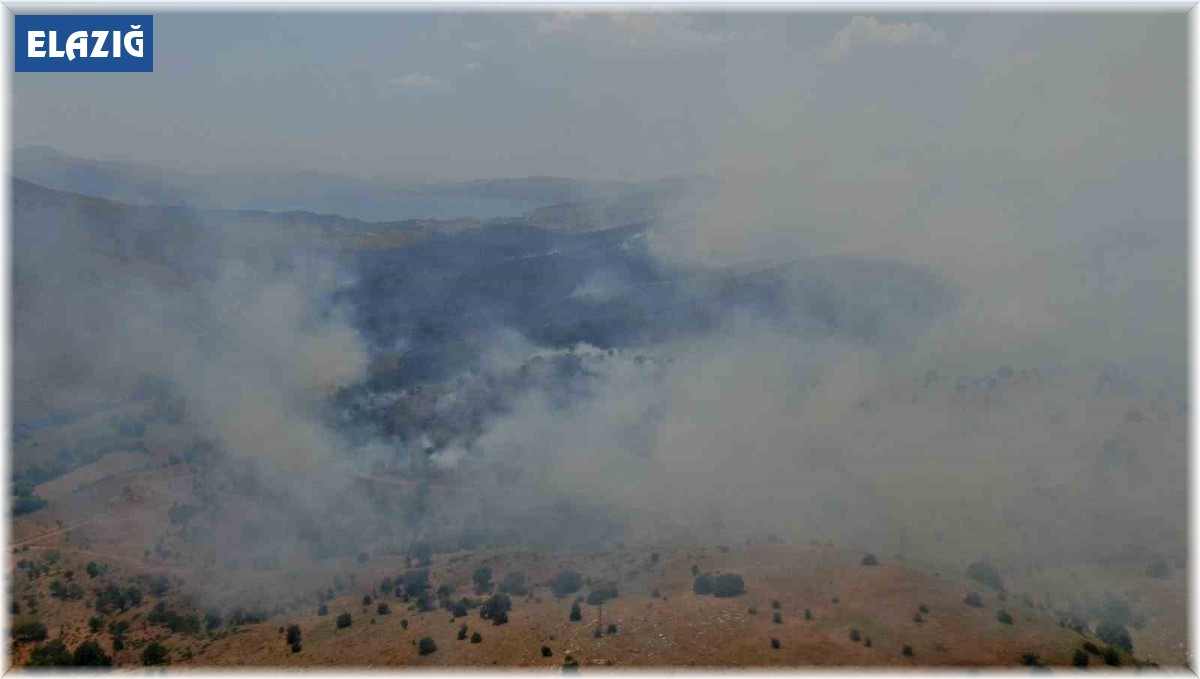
[90,654]
[923,608]
[728,585]
[462,632]
[1091,648]
[514,583]
[31,630]
[777,618]
[566,583]
[907,650]
[1114,634]
[159,585]
[415,582]
[383,609]
[601,593]
[854,635]
[1033,660]
[612,628]
[322,610]
[1158,568]
[53,653]
[870,560]
[154,654]
[808,614]
[496,609]
[1003,616]
[1111,657]
[703,584]
[973,599]
[421,554]
[476,638]
[173,620]
[404,624]
[1080,659]
[27,505]
[987,574]
[774,643]
[426,602]
[344,620]
[483,579]
[918,618]
[576,613]
[293,634]
[426,646]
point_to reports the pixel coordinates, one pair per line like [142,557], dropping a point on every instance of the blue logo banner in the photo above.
[91,43]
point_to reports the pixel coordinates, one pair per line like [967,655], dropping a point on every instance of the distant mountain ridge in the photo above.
[441,286]
[304,191]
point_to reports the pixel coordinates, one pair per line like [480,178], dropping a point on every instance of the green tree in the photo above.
[496,609]
[728,585]
[1158,568]
[90,654]
[514,583]
[483,579]
[566,583]
[154,654]
[53,653]
[986,573]
[29,630]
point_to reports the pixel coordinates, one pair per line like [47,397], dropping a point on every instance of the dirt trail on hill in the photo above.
[127,560]
[52,533]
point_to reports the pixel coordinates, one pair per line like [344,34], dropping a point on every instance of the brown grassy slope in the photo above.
[682,628]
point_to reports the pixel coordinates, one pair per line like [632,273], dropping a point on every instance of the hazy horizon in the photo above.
[590,95]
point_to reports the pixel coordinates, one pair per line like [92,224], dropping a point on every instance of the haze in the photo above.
[367,284]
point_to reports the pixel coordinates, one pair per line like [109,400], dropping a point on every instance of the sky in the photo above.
[622,95]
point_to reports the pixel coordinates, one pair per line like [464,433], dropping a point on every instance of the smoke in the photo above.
[1058,224]
[943,317]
